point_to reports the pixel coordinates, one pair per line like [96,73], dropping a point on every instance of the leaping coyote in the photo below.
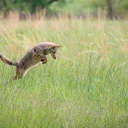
[33,57]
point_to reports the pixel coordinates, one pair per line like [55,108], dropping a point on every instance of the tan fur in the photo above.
[33,57]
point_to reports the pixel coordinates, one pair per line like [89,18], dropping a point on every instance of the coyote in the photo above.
[38,54]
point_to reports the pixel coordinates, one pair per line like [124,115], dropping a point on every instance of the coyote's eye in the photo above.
[53,50]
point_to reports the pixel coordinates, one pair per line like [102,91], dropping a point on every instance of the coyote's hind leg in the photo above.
[19,74]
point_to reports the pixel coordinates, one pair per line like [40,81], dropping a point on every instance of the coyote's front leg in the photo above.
[44,60]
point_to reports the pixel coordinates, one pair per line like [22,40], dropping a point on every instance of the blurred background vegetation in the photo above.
[112,8]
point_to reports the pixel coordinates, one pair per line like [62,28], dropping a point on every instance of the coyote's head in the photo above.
[53,49]
[47,48]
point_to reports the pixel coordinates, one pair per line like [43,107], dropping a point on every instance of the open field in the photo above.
[86,87]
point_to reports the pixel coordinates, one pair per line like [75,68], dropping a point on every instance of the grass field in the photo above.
[86,87]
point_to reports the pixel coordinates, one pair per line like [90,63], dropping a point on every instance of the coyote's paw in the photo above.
[44,60]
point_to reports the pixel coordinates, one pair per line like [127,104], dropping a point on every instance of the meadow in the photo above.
[86,87]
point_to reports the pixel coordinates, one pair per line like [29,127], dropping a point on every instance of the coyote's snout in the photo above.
[33,57]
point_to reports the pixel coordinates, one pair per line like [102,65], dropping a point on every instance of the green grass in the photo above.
[86,87]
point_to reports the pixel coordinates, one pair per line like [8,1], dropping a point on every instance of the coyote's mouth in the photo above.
[54,56]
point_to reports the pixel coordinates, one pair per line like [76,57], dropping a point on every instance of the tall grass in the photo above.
[86,87]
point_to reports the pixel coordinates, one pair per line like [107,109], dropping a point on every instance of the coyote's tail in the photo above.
[7,61]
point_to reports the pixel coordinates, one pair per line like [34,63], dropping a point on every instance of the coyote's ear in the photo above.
[55,45]
[58,46]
